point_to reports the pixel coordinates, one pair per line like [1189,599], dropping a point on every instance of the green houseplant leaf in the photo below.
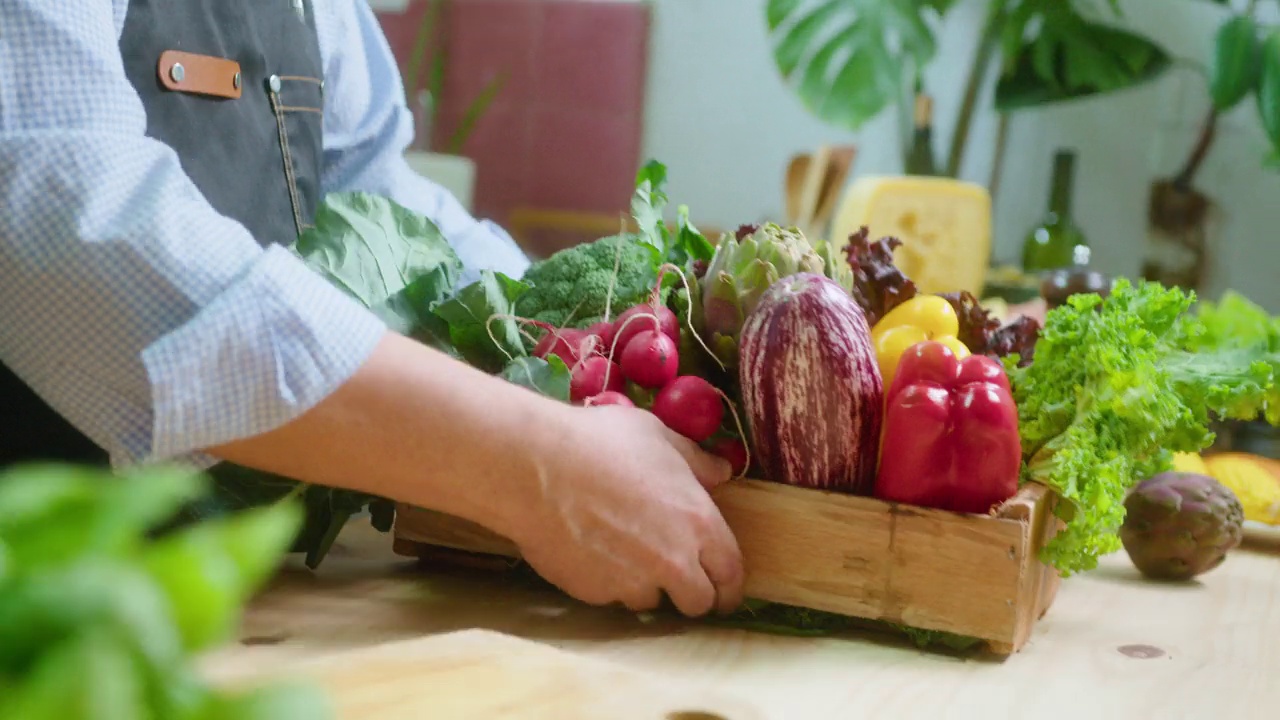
[1269,89]
[1069,57]
[847,59]
[1235,62]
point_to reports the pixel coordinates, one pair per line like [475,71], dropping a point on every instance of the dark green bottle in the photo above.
[1052,244]
[920,157]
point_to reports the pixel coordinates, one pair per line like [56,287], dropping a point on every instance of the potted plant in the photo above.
[849,60]
[1245,67]
[424,74]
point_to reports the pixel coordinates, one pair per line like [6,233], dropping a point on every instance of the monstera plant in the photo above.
[849,60]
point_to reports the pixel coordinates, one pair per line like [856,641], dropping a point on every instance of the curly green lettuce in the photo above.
[1116,387]
[571,288]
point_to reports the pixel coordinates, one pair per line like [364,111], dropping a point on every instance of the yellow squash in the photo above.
[1249,477]
[1190,463]
[924,317]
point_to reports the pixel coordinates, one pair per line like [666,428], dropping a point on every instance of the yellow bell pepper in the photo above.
[924,317]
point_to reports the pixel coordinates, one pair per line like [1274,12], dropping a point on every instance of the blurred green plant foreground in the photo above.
[105,600]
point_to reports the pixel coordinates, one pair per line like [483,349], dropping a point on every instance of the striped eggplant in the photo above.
[811,388]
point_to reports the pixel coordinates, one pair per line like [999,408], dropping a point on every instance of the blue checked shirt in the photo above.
[154,324]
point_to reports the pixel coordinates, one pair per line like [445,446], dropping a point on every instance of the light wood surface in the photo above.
[475,674]
[1113,646]
[973,575]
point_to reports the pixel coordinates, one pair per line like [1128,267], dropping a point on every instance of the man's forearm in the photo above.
[416,426]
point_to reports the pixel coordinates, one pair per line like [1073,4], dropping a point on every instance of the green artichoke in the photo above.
[743,267]
[837,266]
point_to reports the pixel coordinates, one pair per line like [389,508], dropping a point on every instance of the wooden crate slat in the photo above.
[973,575]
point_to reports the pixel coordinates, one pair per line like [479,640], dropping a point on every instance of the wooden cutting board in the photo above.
[482,674]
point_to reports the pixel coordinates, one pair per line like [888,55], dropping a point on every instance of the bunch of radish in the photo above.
[637,355]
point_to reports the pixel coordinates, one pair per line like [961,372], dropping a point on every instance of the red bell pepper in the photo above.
[950,437]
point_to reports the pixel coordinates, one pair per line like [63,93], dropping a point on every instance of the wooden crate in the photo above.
[974,575]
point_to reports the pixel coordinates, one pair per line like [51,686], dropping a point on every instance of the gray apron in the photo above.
[235,88]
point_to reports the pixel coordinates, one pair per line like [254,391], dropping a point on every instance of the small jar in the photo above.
[1060,284]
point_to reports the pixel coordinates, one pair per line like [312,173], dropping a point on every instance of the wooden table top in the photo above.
[1113,645]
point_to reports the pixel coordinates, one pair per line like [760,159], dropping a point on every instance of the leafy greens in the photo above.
[1117,386]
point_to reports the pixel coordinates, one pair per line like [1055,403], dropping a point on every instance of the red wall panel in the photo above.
[565,131]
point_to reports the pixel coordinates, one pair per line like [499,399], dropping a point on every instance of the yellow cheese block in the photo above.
[944,225]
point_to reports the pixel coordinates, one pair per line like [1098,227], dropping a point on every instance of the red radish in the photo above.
[609,397]
[691,406]
[589,378]
[733,450]
[625,331]
[604,331]
[650,359]
[565,344]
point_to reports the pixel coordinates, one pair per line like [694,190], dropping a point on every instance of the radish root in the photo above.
[613,281]
[585,351]
[688,302]
[520,322]
[742,434]
[488,328]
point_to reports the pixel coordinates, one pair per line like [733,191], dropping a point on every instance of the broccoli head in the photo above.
[570,288]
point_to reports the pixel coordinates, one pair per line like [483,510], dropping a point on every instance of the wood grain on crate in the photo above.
[968,574]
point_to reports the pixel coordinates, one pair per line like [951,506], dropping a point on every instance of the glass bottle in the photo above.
[920,160]
[1052,244]
[1060,284]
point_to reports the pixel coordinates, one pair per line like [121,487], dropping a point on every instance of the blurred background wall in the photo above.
[591,88]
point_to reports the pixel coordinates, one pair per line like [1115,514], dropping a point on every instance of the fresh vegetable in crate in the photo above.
[920,319]
[811,388]
[950,432]
[879,287]
[1117,386]
[744,266]
[1108,389]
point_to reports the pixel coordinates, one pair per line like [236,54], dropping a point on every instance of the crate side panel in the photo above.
[817,550]
[956,573]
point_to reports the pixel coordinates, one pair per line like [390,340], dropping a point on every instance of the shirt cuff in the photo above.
[488,247]
[266,350]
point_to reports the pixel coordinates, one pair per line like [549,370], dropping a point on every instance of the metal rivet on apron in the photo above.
[177,72]
[273,82]
[235,80]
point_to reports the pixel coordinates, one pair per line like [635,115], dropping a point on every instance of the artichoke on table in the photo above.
[1179,525]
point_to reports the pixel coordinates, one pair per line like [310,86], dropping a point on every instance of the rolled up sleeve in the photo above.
[155,325]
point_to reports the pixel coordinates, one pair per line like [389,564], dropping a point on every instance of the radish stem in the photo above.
[521,322]
[742,435]
[613,281]
[688,301]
